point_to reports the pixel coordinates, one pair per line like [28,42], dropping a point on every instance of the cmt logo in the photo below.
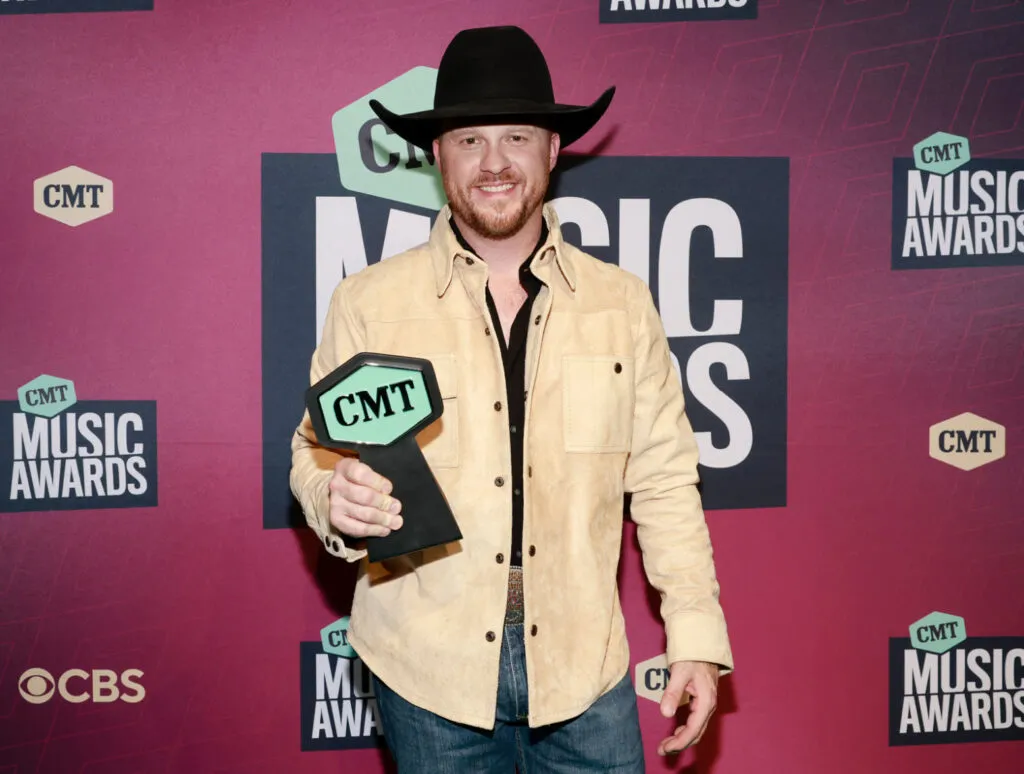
[651,678]
[334,639]
[373,406]
[74,196]
[47,396]
[938,632]
[967,441]
[37,686]
[374,160]
[941,153]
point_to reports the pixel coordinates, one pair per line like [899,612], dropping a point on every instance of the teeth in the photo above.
[496,188]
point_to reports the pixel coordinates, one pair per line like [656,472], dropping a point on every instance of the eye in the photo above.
[36,686]
[468,140]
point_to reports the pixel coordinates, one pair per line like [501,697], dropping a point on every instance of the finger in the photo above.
[346,525]
[367,513]
[361,473]
[701,708]
[683,737]
[674,692]
[671,745]
[680,739]
[343,508]
[364,495]
[349,497]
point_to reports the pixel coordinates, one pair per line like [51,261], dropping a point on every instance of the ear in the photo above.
[436,147]
[555,146]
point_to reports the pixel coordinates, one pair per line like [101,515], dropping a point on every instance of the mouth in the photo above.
[496,189]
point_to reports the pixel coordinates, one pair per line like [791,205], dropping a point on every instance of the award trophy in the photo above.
[374,405]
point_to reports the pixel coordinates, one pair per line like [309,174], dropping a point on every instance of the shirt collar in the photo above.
[446,246]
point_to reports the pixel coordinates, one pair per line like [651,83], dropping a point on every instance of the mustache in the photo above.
[497,180]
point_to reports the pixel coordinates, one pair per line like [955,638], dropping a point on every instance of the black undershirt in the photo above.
[513,356]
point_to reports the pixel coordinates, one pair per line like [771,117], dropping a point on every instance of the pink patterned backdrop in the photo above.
[161,301]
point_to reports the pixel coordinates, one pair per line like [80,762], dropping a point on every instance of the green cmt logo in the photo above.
[375,405]
[374,160]
[938,632]
[334,639]
[374,400]
[47,396]
[941,153]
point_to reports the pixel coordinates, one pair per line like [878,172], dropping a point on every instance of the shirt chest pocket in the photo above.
[597,403]
[439,441]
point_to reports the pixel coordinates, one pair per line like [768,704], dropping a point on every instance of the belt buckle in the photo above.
[514,600]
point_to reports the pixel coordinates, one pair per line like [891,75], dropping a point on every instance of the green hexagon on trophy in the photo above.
[374,404]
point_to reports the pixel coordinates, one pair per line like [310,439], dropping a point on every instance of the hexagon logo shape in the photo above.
[374,400]
[941,153]
[74,196]
[374,160]
[47,396]
[650,678]
[967,441]
[334,639]
[938,632]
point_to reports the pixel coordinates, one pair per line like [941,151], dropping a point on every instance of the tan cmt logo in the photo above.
[74,196]
[651,678]
[967,441]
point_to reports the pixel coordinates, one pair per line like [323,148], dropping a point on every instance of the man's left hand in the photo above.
[699,679]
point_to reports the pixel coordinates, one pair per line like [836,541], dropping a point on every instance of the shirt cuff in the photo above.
[697,636]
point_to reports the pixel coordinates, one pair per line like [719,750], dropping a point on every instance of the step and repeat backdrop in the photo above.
[826,198]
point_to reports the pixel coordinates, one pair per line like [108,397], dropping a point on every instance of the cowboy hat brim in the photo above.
[421,129]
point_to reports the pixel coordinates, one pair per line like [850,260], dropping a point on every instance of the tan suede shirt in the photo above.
[604,415]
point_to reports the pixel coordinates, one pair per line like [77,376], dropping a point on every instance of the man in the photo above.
[508,646]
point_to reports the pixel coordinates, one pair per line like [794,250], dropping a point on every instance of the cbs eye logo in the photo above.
[37,686]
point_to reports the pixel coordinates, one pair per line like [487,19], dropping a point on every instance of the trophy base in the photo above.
[427,518]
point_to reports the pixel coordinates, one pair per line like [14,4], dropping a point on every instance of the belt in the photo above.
[514,601]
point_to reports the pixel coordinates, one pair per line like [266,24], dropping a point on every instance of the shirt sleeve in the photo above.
[661,473]
[312,464]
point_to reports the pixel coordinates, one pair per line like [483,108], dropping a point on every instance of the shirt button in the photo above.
[487,331]
[533,630]
[618,368]
[489,636]
[529,471]
[513,429]
[533,550]
[497,405]
[517,492]
[500,558]
[469,261]
[536,320]
[499,481]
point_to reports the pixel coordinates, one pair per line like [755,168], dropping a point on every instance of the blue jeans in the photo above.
[605,738]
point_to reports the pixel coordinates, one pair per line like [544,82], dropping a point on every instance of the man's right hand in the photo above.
[361,502]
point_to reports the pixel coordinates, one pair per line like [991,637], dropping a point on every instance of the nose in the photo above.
[494,159]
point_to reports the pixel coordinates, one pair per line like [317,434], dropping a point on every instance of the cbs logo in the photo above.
[37,686]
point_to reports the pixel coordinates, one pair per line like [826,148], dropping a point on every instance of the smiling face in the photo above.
[496,176]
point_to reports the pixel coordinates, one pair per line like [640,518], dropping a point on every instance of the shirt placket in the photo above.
[474,278]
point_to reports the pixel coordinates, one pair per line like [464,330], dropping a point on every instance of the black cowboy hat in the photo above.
[493,75]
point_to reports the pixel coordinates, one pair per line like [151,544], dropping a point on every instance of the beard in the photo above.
[505,219]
